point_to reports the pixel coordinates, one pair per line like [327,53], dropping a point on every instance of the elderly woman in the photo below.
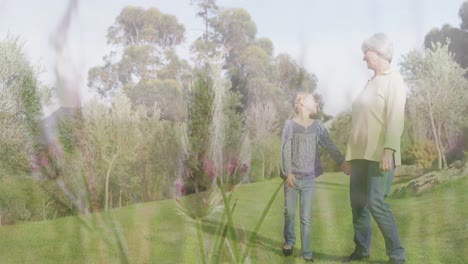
[374,149]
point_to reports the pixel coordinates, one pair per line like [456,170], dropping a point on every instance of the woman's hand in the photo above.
[346,168]
[290,180]
[386,162]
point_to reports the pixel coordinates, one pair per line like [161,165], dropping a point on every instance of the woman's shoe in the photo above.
[287,250]
[354,257]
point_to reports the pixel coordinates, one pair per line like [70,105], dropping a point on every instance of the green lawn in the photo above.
[433,228]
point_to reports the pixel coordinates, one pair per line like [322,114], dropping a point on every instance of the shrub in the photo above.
[420,154]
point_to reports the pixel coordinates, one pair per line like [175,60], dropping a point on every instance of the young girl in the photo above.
[301,165]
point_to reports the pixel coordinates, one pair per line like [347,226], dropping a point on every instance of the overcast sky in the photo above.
[325,36]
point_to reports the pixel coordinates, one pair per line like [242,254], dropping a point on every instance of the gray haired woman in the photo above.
[374,149]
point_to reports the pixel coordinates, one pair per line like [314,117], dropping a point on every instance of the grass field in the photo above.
[433,228]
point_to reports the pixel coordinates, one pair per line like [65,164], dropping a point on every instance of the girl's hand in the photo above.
[386,163]
[346,167]
[290,180]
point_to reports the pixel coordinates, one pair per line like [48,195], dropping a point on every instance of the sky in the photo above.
[324,36]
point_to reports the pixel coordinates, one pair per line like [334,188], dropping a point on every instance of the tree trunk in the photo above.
[109,169]
[263,164]
[444,160]
[92,196]
[434,130]
[436,137]
[120,198]
[206,22]
[146,185]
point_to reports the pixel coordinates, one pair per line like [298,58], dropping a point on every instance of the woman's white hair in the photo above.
[380,43]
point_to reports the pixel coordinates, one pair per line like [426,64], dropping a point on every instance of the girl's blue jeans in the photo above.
[303,187]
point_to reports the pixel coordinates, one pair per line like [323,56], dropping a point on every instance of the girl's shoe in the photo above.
[287,250]
[308,259]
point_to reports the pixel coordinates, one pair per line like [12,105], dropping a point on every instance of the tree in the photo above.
[463,14]
[234,33]
[205,46]
[15,72]
[23,138]
[207,10]
[291,77]
[148,66]
[458,45]
[339,129]
[198,136]
[438,89]
[235,30]
[121,154]
[262,122]
[266,45]
[228,33]
[214,135]
[137,26]
[256,70]
[21,97]
[255,73]
[166,93]
[458,37]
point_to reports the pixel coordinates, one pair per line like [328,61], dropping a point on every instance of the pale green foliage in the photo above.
[220,85]
[215,141]
[136,25]
[422,154]
[228,138]
[339,129]
[436,82]
[262,123]
[127,154]
[14,70]
[438,91]
[236,29]
[267,45]
[21,98]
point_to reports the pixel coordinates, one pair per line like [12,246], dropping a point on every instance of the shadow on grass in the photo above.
[378,261]
[332,186]
[320,183]
[209,226]
[318,256]
[271,245]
